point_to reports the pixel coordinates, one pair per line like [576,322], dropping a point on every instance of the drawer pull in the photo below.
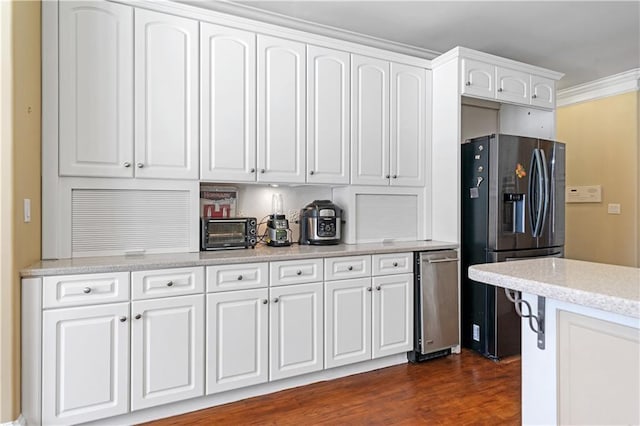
[395,264]
[350,268]
[138,316]
[123,319]
[298,272]
[239,277]
[87,290]
[170,283]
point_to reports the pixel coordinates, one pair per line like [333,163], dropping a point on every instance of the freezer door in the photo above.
[509,256]
[510,218]
[552,229]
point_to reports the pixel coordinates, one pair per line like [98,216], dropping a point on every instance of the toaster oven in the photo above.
[227,233]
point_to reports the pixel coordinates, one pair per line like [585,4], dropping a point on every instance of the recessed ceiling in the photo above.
[586,40]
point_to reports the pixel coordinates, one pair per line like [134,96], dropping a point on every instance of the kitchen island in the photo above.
[586,370]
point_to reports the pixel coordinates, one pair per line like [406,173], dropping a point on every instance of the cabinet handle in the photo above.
[395,176]
[368,288]
[311,172]
[126,164]
[468,83]
[534,96]
[378,288]
[500,89]
[276,300]
[298,272]
[87,290]
[138,316]
[395,264]
[265,301]
[240,277]
[123,319]
[252,170]
[387,176]
[170,283]
[139,165]
[350,268]
[261,170]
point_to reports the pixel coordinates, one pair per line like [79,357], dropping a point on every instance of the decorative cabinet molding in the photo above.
[95,95]
[228,99]
[281,110]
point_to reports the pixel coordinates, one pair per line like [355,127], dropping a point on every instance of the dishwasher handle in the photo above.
[446,259]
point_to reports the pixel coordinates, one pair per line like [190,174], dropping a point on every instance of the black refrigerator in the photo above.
[512,208]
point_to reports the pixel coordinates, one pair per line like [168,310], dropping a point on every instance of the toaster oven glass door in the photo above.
[225,233]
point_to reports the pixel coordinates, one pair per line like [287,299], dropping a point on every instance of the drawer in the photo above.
[341,268]
[237,277]
[86,289]
[295,272]
[166,282]
[392,263]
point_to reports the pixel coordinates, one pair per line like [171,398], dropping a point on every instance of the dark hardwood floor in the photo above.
[458,389]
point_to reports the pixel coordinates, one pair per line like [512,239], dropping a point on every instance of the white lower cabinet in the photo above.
[237,339]
[295,330]
[167,350]
[85,363]
[392,316]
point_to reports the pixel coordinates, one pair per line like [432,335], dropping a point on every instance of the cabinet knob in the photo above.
[252,170]
[395,264]
[311,172]
[240,277]
[139,165]
[368,288]
[170,283]
[500,89]
[126,164]
[123,319]
[350,268]
[87,290]
[298,272]
[534,96]
[378,288]
[468,83]
[138,316]
[395,176]
[262,170]
[276,300]
[387,176]
[265,301]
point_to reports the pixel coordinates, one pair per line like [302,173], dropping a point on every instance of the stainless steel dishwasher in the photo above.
[437,317]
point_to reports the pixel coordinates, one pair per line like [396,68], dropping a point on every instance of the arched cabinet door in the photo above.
[281,110]
[478,79]
[512,85]
[543,92]
[228,99]
[167,95]
[95,89]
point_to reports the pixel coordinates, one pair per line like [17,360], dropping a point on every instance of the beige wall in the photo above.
[602,139]
[19,179]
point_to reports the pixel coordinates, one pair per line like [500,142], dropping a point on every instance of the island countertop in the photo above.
[610,288]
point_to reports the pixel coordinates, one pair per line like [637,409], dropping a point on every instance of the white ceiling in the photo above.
[586,40]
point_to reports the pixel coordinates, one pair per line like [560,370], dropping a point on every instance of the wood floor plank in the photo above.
[465,389]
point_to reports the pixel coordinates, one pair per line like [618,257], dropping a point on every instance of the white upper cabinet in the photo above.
[228,99]
[369,121]
[95,89]
[543,92]
[166,96]
[512,85]
[281,110]
[478,79]
[408,124]
[328,132]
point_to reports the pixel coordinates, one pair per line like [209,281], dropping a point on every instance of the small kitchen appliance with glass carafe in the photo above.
[278,233]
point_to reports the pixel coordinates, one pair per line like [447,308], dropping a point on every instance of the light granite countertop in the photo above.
[610,288]
[262,253]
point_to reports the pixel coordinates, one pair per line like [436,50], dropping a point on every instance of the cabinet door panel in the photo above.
[347,321]
[392,314]
[167,94]
[543,92]
[237,339]
[328,130]
[369,121]
[478,79]
[96,89]
[228,99]
[281,110]
[512,86]
[85,363]
[167,350]
[296,330]
[408,125]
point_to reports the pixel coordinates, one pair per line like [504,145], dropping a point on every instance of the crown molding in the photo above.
[628,81]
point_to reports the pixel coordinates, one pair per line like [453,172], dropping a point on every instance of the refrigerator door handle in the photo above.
[553,254]
[535,194]
[539,192]
[545,188]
